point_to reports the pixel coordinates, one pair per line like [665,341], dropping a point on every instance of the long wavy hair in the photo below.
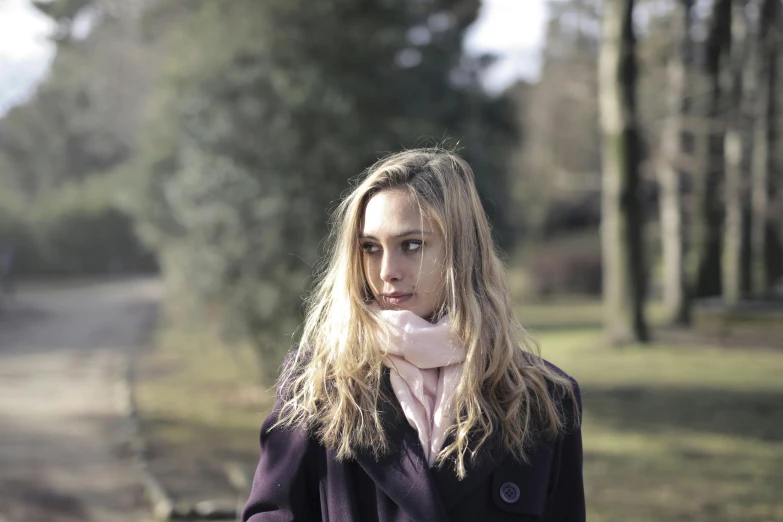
[332,382]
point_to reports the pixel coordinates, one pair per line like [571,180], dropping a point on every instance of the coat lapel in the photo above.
[530,476]
[404,476]
[452,490]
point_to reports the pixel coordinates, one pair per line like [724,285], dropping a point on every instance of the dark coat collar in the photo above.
[404,475]
[453,489]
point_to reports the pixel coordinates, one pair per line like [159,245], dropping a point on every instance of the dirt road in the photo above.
[63,437]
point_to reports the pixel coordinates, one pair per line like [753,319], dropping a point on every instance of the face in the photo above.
[403,253]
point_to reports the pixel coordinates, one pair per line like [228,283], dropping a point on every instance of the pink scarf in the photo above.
[426,365]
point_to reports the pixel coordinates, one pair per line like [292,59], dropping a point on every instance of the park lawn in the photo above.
[671,432]
[200,406]
[677,433]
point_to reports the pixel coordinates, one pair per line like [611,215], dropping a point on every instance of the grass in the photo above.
[677,433]
[200,406]
[672,432]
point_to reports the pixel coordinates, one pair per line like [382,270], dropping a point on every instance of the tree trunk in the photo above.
[703,256]
[621,221]
[675,290]
[766,61]
[735,193]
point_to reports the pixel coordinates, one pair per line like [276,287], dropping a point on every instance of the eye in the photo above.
[370,248]
[412,246]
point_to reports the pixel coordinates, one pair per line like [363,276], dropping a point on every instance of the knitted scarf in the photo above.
[426,365]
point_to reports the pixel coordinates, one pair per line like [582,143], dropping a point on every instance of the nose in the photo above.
[391,269]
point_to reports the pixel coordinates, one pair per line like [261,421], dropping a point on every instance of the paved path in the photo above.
[63,438]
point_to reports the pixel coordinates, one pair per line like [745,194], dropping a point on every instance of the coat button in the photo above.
[509,492]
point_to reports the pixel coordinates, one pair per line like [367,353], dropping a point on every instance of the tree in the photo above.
[559,163]
[767,48]
[672,212]
[703,267]
[734,149]
[252,138]
[84,118]
[621,219]
[59,150]
[63,13]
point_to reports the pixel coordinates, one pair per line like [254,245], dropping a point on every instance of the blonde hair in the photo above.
[332,382]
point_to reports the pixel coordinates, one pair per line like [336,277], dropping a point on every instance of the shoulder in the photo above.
[285,446]
[566,391]
[556,370]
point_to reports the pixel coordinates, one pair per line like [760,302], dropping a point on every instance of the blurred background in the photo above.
[166,172]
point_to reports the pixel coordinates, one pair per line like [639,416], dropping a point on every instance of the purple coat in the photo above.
[298,479]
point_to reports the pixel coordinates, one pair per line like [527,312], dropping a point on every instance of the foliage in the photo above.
[558,164]
[57,152]
[84,117]
[79,230]
[252,139]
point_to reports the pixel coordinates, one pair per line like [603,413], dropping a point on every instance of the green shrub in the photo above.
[75,231]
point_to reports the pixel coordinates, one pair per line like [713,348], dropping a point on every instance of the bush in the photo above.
[76,231]
[89,242]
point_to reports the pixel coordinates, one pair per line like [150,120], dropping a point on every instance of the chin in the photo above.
[430,315]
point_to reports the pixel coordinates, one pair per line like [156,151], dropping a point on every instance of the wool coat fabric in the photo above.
[298,479]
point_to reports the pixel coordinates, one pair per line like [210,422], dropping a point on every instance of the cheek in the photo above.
[434,272]
[371,272]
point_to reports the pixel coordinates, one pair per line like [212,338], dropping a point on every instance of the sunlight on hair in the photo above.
[332,384]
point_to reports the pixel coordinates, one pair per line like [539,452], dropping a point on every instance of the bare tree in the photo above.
[621,221]
[704,230]
[735,193]
[560,155]
[672,227]
[763,135]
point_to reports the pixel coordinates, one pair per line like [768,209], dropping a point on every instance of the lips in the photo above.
[396,299]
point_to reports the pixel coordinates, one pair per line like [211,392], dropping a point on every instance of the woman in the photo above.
[414,394]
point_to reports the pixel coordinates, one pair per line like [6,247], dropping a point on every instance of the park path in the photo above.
[63,437]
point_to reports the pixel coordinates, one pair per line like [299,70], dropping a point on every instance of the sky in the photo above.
[25,54]
[513,29]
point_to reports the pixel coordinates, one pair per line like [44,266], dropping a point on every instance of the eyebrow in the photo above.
[414,232]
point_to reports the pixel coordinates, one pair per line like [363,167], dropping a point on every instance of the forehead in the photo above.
[393,211]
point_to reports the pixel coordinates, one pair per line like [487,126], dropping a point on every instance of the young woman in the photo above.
[414,393]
